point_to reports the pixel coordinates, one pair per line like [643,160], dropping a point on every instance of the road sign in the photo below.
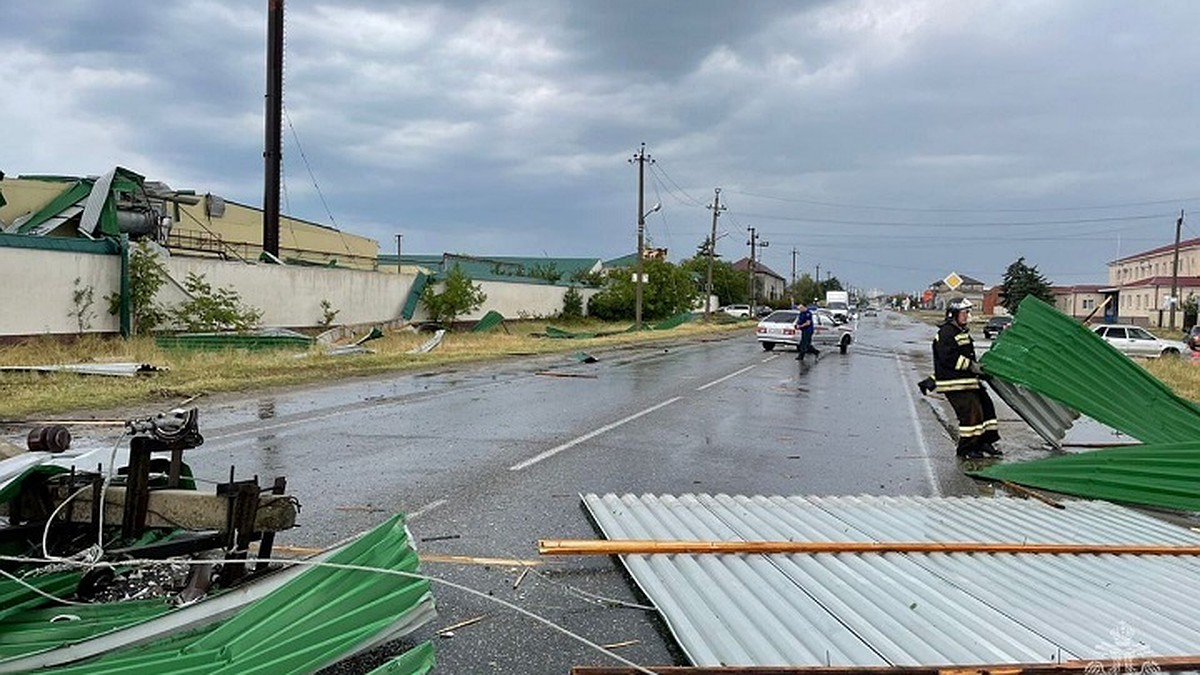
[953,281]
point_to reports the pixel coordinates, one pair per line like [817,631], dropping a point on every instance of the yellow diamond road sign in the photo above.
[953,281]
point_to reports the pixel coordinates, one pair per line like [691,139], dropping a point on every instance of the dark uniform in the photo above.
[956,373]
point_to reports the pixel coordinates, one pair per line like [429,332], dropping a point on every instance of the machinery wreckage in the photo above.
[129,562]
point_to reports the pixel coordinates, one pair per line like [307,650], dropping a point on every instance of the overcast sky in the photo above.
[888,141]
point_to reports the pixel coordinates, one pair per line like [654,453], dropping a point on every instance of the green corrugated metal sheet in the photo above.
[1164,475]
[414,295]
[100,247]
[488,322]
[72,195]
[674,322]
[309,622]
[1056,356]
[416,661]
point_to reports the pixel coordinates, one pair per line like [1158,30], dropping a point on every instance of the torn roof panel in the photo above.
[1056,356]
[904,609]
[1164,475]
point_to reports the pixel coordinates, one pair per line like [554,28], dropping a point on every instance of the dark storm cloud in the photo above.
[505,127]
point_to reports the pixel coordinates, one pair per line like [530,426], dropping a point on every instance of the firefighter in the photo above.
[956,374]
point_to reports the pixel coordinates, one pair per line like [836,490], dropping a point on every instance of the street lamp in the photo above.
[637,319]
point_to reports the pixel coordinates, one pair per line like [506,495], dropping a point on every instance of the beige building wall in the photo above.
[40,286]
[524,301]
[239,229]
[26,196]
[39,289]
[1079,304]
[1159,264]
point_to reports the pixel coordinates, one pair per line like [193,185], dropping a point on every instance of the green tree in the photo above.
[572,304]
[209,309]
[729,284]
[147,274]
[458,296]
[1022,280]
[805,290]
[669,290]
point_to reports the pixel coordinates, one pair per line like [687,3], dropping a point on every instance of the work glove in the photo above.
[974,368]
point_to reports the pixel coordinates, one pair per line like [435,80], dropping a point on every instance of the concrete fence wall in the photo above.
[36,292]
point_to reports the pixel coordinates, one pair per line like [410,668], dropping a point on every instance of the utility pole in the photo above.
[1175,270]
[274,131]
[641,158]
[712,251]
[399,265]
[793,286]
[818,280]
[754,243]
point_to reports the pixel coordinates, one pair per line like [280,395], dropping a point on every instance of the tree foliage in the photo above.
[669,290]
[213,309]
[729,284]
[147,274]
[458,296]
[572,304]
[1022,280]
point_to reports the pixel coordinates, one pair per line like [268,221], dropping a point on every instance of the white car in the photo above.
[738,311]
[1137,341]
[780,329]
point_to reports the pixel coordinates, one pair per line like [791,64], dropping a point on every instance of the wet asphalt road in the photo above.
[486,460]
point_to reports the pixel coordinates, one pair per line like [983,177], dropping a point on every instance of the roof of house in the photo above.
[1079,288]
[759,268]
[1185,244]
[1161,281]
[966,281]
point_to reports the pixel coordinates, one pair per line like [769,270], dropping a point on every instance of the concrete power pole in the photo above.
[754,243]
[712,251]
[1175,270]
[641,158]
[793,286]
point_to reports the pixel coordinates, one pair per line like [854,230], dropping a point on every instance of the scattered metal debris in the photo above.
[448,631]
[108,369]
[430,344]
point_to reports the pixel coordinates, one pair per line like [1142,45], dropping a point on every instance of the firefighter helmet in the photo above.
[957,305]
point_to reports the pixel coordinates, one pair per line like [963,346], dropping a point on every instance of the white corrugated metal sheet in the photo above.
[907,609]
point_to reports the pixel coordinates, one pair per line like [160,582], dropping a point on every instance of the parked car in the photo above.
[1193,339]
[995,326]
[780,329]
[1137,341]
[739,311]
[762,311]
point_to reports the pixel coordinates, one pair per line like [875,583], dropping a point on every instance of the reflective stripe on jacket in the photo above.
[953,354]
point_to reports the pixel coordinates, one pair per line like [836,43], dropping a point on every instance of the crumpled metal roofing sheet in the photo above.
[1165,475]
[905,609]
[1049,418]
[1050,353]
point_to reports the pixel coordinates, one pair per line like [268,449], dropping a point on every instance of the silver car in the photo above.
[780,329]
[1137,341]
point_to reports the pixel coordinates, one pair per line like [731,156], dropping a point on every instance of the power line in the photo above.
[876,207]
[689,198]
[889,223]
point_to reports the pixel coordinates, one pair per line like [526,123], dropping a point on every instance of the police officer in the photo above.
[956,374]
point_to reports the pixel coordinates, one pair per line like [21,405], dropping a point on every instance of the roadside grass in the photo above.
[1182,374]
[193,373]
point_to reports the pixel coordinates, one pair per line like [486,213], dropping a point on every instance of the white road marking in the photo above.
[912,407]
[426,509]
[588,436]
[722,379]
